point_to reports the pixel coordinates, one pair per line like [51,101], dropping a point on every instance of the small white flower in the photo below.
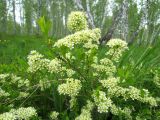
[54,115]
[102,102]
[36,61]
[20,114]
[77,21]
[116,48]
[86,112]
[71,87]
[84,36]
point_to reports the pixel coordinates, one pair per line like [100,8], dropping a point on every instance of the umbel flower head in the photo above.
[54,115]
[36,61]
[79,37]
[86,112]
[71,87]
[77,21]
[19,114]
[101,101]
[117,47]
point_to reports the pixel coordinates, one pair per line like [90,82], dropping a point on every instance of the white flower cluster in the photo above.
[77,21]
[85,115]
[119,111]
[54,66]
[70,72]
[102,102]
[79,37]
[90,45]
[10,80]
[3,93]
[86,112]
[111,82]
[135,94]
[127,112]
[156,79]
[72,102]
[115,110]
[21,82]
[118,91]
[13,79]
[54,115]
[36,61]
[141,95]
[71,87]
[117,47]
[8,116]
[19,114]
[106,66]
[3,77]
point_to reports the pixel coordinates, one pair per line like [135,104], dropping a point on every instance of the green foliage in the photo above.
[45,26]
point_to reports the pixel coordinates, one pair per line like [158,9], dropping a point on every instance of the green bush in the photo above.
[85,81]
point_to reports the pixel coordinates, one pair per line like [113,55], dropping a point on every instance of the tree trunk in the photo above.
[14,17]
[90,17]
[104,15]
[112,28]
[39,13]
[3,16]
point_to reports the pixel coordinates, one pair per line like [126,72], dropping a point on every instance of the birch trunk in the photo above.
[39,2]
[90,17]
[104,15]
[14,17]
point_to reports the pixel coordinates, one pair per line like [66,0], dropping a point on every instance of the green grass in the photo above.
[14,51]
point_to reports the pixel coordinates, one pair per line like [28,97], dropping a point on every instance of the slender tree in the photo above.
[3,16]
[28,15]
[14,16]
